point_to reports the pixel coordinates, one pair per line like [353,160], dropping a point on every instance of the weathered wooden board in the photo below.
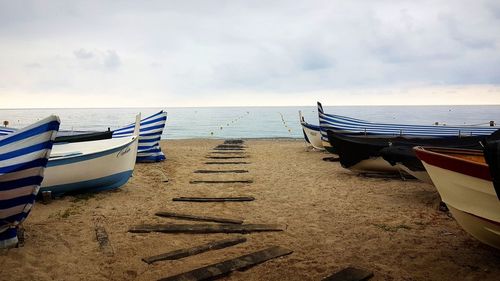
[103,240]
[204,228]
[228,149]
[215,199]
[233,141]
[230,146]
[220,171]
[226,157]
[197,218]
[182,253]
[221,181]
[350,274]
[228,152]
[227,163]
[215,270]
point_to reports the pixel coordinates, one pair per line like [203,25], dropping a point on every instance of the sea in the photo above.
[249,122]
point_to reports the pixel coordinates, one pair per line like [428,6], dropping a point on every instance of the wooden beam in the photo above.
[182,253]
[230,146]
[220,171]
[226,157]
[221,181]
[350,274]
[214,199]
[197,218]
[223,148]
[219,269]
[227,163]
[233,141]
[228,152]
[204,228]
[103,240]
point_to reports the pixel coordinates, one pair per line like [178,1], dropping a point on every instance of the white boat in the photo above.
[311,132]
[463,179]
[91,166]
[23,158]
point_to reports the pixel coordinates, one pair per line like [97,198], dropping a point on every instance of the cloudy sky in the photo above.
[204,53]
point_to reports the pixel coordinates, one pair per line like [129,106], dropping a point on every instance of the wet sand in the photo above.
[332,219]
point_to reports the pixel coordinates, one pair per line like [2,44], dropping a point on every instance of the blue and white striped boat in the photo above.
[350,126]
[23,158]
[91,166]
[149,138]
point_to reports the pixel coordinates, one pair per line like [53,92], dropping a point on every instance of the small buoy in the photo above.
[211,133]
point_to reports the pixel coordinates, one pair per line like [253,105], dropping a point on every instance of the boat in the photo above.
[351,126]
[373,153]
[91,166]
[464,180]
[149,138]
[23,157]
[311,132]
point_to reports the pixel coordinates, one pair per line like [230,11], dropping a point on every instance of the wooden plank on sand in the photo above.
[197,218]
[221,181]
[350,274]
[182,253]
[219,269]
[215,199]
[204,228]
[220,171]
[228,152]
[233,141]
[226,157]
[227,163]
[230,146]
[103,240]
[222,148]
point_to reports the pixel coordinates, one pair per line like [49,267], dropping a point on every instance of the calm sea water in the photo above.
[249,122]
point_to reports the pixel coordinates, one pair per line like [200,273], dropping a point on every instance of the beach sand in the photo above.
[332,219]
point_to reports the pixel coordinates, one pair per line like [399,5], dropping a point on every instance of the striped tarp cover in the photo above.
[347,125]
[23,158]
[150,134]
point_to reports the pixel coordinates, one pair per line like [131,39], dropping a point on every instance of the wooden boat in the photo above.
[390,154]
[91,166]
[149,139]
[311,132]
[464,180]
[23,158]
[351,126]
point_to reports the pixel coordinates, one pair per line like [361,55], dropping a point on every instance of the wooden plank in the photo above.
[230,146]
[221,181]
[226,157]
[202,171]
[197,218]
[103,240]
[182,253]
[228,152]
[215,199]
[204,228]
[229,149]
[233,141]
[350,274]
[219,269]
[227,163]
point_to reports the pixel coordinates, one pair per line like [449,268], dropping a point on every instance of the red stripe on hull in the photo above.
[455,164]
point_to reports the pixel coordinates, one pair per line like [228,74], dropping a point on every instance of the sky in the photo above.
[248,53]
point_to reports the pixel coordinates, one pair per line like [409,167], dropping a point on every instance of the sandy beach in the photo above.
[332,219]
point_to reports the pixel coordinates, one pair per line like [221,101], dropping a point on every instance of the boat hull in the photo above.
[312,136]
[469,194]
[100,171]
